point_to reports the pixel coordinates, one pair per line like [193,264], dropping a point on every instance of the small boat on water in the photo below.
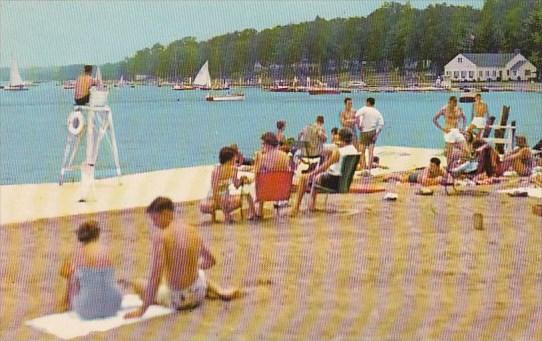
[203,82]
[280,88]
[324,91]
[227,97]
[467,98]
[15,81]
[181,87]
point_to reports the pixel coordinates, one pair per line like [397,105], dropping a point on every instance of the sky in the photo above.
[61,32]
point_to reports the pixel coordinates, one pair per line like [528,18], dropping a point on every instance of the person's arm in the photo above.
[154,279]
[206,258]
[379,125]
[436,118]
[333,158]
[236,181]
[473,110]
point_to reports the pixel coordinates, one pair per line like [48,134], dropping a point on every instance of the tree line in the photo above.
[395,36]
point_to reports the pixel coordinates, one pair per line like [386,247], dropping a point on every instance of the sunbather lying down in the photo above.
[428,176]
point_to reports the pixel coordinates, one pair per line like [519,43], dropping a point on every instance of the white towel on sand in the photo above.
[68,325]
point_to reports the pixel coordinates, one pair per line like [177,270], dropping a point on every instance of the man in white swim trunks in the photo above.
[452,114]
[479,114]
[178,259]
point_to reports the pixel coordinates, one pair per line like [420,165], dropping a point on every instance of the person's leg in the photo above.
[314,192]
[371,153]
[251,208]
[260,208]
[230,204]
[362,162]
[301,187]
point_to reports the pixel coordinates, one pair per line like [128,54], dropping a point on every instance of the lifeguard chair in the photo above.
[92,122]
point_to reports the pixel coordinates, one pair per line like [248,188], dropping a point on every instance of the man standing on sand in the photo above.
[82,86]
[348,120]
[452,113]
[370,122]
[179,257]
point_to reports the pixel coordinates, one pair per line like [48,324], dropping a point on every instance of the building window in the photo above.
[456,74]
[527,73]
[460,60]
[494,73]
[515,73]
[463,74]
[508,72]
[447,73]
[471,74]
[480,73]
[487,73]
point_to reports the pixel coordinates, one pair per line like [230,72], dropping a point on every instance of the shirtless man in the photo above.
[348,120]
[179,257]
[479,114]
[520,160]
[452,114]
[429,176]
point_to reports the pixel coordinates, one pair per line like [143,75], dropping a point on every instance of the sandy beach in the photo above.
[365,269]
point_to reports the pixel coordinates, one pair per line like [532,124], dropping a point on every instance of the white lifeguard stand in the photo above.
[94,122]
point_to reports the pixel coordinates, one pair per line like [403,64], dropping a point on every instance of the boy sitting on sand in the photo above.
[179,257]
[428,176]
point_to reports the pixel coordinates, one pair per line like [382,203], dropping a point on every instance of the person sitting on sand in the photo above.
[178,258]
[479,115]
[489,163]
[270,159]
[328,173]
[240,159]
[91,289]
[220,198]
[520,160]
[452,114]
[428,176]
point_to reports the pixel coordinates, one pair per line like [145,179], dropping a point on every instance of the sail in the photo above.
[203,78]
[14,76]
[99,76]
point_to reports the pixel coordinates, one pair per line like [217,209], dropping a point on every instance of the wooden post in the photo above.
[513,135]
[478,221]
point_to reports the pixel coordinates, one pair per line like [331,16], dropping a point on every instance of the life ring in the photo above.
[76,122]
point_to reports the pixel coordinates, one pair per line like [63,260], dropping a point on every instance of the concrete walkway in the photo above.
[20,203]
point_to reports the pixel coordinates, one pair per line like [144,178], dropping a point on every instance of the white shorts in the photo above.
[187,298]
[454,136]
[479,122]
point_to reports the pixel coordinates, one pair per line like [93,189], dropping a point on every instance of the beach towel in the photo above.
[69,325]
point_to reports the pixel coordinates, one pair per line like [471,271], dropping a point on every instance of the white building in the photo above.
[489,66]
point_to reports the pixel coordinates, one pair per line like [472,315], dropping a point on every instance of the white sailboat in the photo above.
[99,82]
[203,81]
[120,83]
[15,81]
[203,78]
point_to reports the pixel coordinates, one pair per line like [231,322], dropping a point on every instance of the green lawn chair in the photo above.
[350,163]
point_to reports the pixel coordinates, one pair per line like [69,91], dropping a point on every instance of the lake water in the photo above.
[158,128]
